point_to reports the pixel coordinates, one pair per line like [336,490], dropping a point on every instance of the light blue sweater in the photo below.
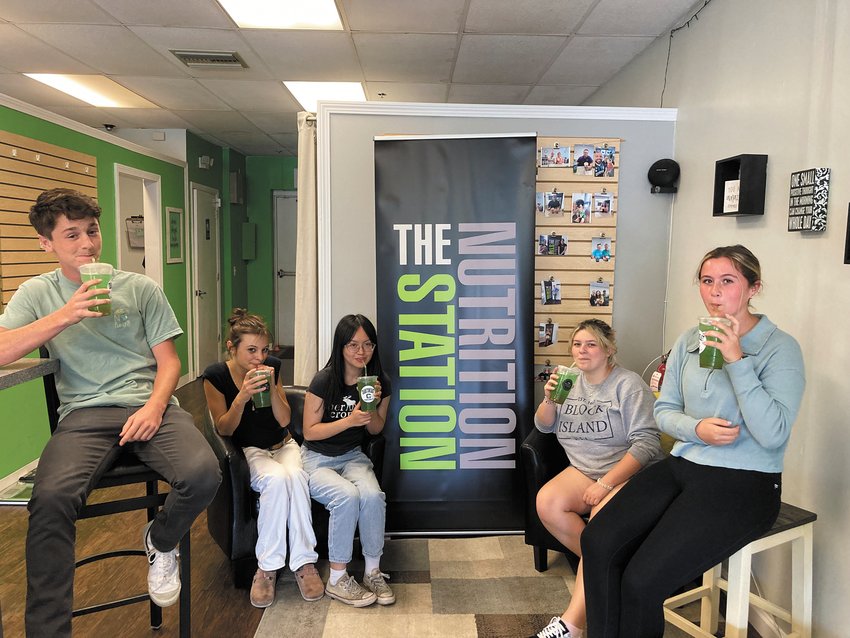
[761,392]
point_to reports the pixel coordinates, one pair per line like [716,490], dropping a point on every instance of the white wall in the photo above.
[771,76]
[346,183]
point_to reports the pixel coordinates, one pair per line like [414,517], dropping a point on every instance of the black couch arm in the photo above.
[542,459]
[230,516]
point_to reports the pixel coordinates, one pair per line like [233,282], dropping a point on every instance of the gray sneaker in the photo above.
[348,591]
[375,583]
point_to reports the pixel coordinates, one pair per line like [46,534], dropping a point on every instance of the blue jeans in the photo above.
[347,487]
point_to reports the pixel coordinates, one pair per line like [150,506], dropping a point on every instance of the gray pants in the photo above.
[83,447]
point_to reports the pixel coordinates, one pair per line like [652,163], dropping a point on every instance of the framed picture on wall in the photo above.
[174,247]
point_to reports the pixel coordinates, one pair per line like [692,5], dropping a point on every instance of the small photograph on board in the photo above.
[550,292]
[581,208]
[583,159]
[601,250]
[555,156]
[547,334]
[600,293]
[552,244]
[602,205]
[603,161]
[540,203]
[554,204]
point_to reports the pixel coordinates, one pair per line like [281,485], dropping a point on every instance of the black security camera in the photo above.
[109,127]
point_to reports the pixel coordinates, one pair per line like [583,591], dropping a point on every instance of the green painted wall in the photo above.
[234,280]
[265,175]
[24,424]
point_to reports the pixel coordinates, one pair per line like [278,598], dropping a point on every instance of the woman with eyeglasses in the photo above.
[606,428]
[341,475]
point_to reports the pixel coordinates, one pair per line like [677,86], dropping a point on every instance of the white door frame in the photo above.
[152,211]
[193,186]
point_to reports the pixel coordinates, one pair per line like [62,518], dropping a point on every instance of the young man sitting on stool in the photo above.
[115,382]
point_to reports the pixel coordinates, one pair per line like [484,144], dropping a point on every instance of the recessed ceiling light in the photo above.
[309,94]
[97,90]
[284,14]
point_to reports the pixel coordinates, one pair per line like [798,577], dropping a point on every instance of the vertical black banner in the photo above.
[455,284]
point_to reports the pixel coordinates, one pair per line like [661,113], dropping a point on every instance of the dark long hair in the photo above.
[344,332]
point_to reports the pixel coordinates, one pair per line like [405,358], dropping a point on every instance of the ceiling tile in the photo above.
[91,116]
[566,95]
[487,94]
[635,17]
[319,56]
[406,57]
[593,60]
[504,59]
[25,53]
[525,16]
[183,13]
[111,50]
[166,39]
[290,140]
[253,95]
[406,92]
[218,122]
[146,118]
[181,94]
[80,11]
[274,123]
[416,16]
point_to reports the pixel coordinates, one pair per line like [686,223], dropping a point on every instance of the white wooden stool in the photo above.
[794,525]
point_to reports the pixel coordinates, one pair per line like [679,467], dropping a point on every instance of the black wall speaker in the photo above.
[663,176]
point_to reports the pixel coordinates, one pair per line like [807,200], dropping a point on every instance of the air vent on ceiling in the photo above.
[210,59]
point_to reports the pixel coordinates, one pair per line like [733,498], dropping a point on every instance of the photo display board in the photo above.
[575,219]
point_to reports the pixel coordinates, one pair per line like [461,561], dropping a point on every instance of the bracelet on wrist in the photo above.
[605,485]
[548,401]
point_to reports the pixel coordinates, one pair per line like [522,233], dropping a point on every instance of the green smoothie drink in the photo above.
[566,380]
[709,356]
[263,398]
[366,390]
[103,272]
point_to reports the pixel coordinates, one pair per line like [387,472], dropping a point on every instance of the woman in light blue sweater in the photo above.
[721,486]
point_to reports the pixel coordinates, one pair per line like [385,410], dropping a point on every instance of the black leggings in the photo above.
[668,525]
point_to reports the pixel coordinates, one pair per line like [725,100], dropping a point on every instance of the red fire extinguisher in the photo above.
[657,377]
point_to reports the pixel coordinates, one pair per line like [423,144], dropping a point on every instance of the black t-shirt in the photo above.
[258,427]
[336,408]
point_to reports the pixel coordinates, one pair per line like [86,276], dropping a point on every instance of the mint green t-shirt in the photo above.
[103,360]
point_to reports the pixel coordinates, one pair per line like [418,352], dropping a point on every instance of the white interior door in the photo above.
[205,291]
[285,225]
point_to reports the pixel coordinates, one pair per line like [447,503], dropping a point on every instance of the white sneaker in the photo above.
[555,629]
[163,572]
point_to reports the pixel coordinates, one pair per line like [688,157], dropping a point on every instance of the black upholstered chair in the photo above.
[232,515]
[127,470]
[542,458]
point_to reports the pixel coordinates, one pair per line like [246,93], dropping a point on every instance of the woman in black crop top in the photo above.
[274,458]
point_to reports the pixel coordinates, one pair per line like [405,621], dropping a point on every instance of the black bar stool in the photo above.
[128,470]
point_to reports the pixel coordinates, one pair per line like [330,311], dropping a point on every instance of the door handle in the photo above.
[200,293]
[285,273]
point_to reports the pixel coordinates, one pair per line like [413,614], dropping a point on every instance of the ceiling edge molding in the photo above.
[43,114]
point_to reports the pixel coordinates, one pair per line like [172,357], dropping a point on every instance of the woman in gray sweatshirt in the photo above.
[607,430]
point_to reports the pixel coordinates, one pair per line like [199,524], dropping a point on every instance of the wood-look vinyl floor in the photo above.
[217,608]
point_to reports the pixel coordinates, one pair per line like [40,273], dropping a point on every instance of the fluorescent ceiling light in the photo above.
[284,14]
[309,94]
[97,90]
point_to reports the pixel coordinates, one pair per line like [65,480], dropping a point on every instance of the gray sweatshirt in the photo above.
[598,424]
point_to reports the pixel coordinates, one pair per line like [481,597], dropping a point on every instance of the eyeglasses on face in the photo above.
[353,346]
